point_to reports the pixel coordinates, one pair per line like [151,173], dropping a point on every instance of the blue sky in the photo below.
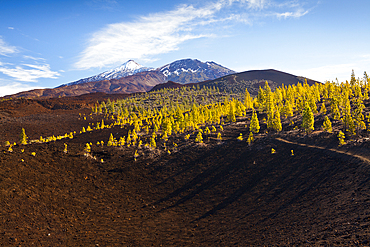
[49,43]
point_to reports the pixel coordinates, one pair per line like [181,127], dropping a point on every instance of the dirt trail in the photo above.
[329,149]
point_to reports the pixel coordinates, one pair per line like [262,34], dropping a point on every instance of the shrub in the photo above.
[23,137]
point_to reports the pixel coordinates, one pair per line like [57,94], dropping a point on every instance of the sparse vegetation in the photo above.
[173,134]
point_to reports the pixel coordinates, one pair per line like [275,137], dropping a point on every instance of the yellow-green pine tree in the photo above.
[323,108]
[250,138]
[347,119]
[23,137]
[327,125]
[341,137]
[308,119]
[248,101]
[152,141]
[111,140]
[231,114]
[277,121]
[254,125]
[87,148]
[199,137]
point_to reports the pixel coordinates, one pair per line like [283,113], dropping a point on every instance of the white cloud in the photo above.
[342,72]
[161,33]
[34,58]
[9,87]
[150,35]
[30,75]
[296,14]
[6,49]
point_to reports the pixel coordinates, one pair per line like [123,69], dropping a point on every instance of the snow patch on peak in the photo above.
[126,69]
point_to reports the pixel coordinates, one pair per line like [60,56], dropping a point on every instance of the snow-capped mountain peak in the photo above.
[190,70]
[126,69]
[181,71]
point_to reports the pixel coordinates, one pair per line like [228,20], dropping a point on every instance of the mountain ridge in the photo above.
[185,72]
[126,69]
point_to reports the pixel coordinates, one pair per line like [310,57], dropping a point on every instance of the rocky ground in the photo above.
[216,193]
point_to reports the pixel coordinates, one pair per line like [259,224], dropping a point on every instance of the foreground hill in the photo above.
[224,193]
[182,192]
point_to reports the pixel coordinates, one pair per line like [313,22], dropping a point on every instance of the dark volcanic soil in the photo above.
[213,194]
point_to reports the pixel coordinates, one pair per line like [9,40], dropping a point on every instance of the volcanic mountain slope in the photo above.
[254,79]
[140,82]
[132,77]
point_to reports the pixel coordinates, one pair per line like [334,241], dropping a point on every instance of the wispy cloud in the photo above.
[11,87]
[296,14]
[24,72]
[34,58]
[30,72]
[6,49]
[163,32]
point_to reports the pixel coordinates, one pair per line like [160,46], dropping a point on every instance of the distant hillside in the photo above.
[169,84]
[253,79]
[238,82]
[140,82]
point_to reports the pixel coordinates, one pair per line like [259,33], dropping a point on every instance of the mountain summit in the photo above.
[181,71]
[192,71]
[126,69]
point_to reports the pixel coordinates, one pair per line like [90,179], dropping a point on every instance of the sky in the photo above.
[44,44]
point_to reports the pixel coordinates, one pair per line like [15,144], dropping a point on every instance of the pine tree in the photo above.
[199,137]
[341,137]
[261,98]
[277,121]
[347,117]
[366,79]
[327,125]
[358,116]
[152,141]
[254,125]
[231,114]
[240,137]
[87,148]
[128,139]
[219,137]
[270,107]
[248,101]
[323,108]
[353,78]
[122,141]
[335,110]
[308,119]
[250,138]
[288,108]
[111,140]
[23,137]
